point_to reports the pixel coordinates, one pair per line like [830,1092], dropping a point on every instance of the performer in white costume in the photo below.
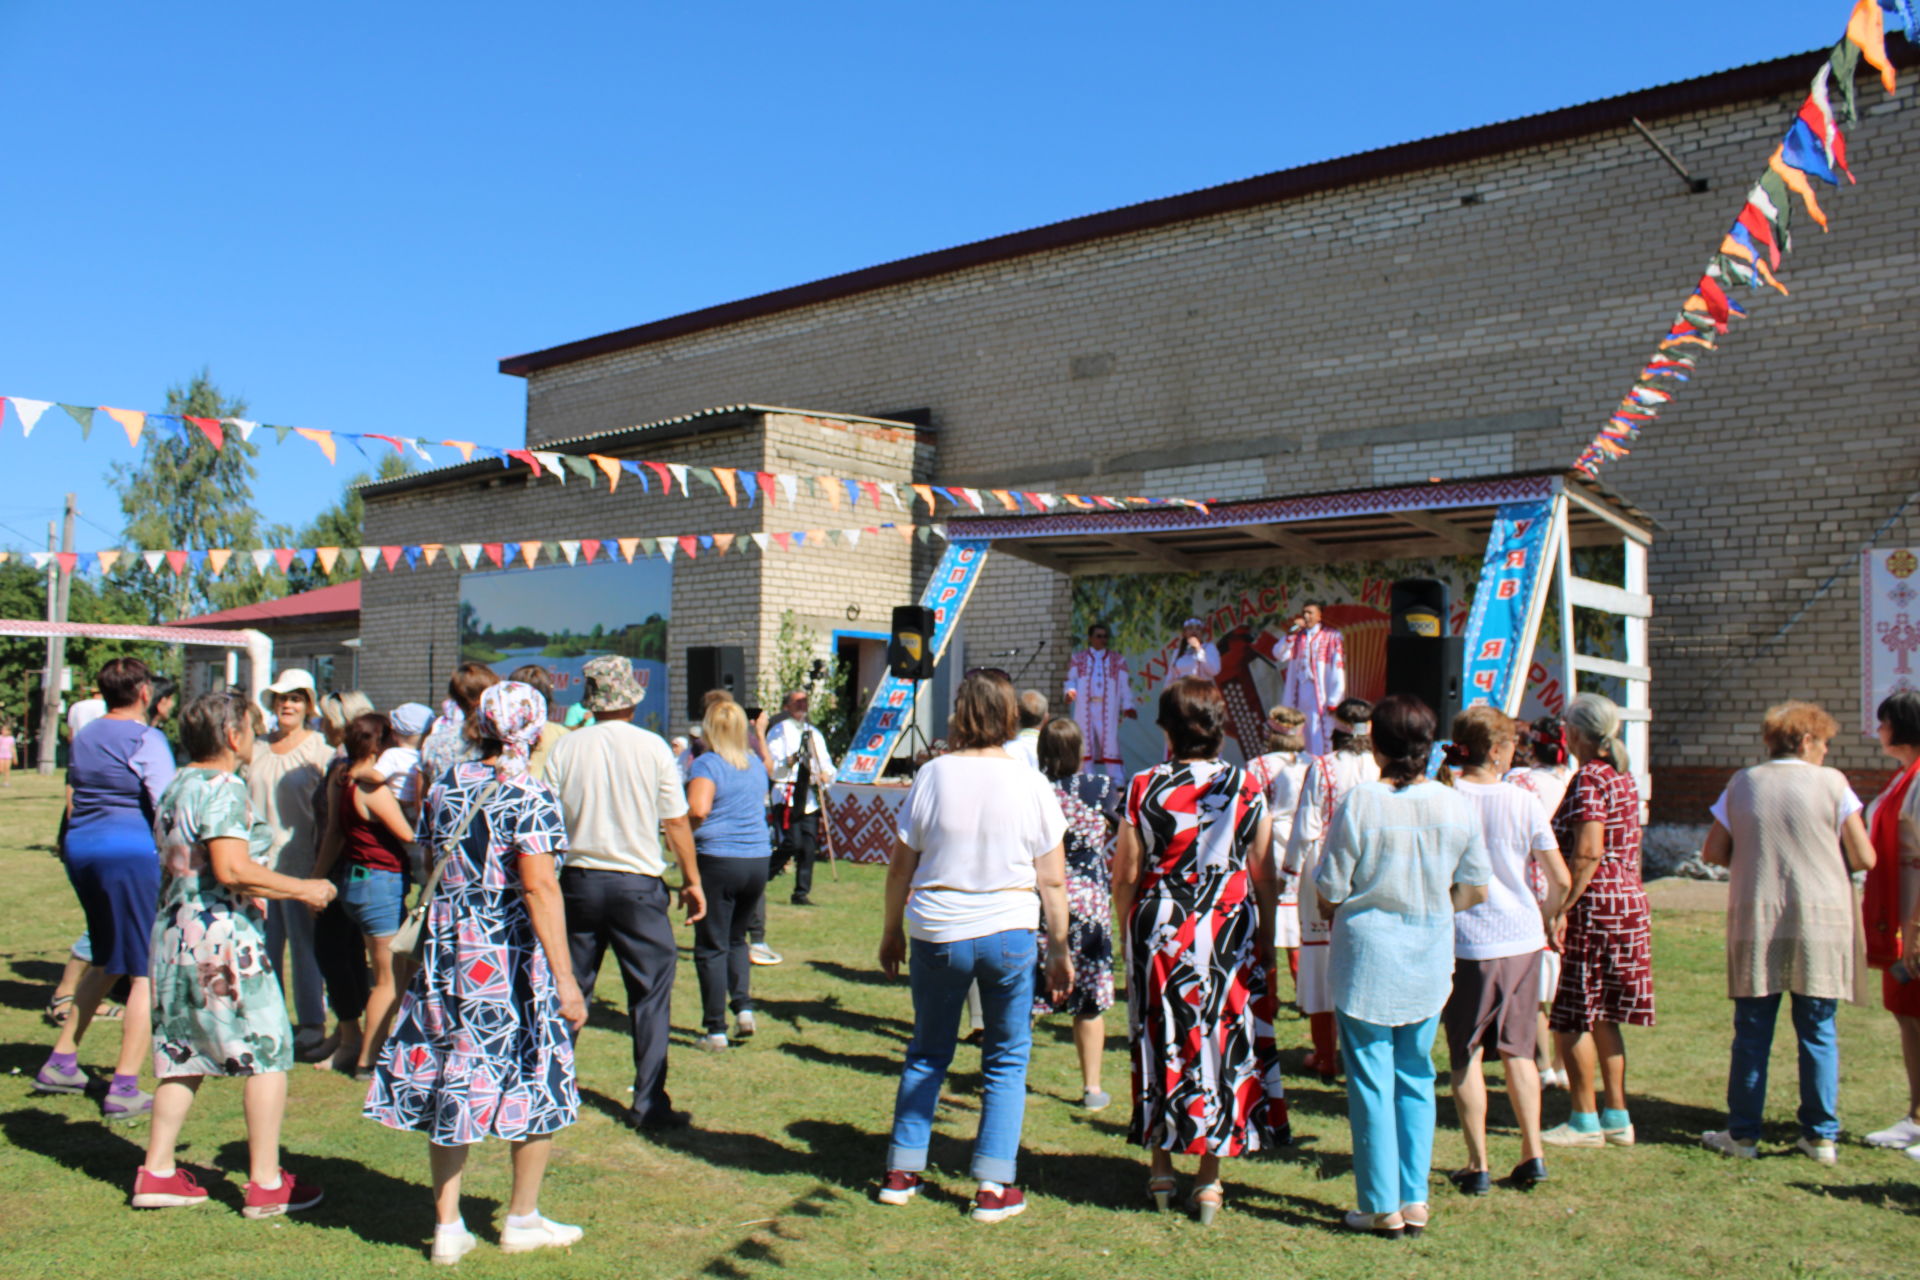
[1100,693]
[1329,778]
[1195,656]
[1316,674]
[1281,773]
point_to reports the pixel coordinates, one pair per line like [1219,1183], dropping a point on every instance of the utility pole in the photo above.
[59,595]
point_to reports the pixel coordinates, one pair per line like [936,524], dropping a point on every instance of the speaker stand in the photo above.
[913,732]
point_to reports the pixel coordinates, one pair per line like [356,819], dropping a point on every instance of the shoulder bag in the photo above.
[408,938]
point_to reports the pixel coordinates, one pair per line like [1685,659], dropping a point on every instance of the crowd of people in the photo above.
[269,880]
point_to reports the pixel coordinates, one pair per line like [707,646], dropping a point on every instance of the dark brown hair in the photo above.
[1352,711]
[1284,729]
[985,712]
[120,680]
[367,736]
[1194,717]
[469,681]
[1478,730]
[207,721]
[1901,713]
[1403,738]
[1060,748]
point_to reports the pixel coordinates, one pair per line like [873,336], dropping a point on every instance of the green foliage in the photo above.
[23,594]
[183,494]
[338,526]
[795,649]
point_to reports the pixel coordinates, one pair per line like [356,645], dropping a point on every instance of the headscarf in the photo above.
[513,714]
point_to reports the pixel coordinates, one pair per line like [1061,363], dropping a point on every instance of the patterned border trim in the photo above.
[1358,502]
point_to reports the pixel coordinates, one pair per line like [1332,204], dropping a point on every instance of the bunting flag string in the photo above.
[735,484]
[1815,147]
[525,553]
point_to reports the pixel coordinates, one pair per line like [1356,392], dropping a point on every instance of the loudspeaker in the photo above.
[1419,608]
[1428,668]
[910,645]
[713,666]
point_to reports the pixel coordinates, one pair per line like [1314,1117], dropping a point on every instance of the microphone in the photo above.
[1007,653]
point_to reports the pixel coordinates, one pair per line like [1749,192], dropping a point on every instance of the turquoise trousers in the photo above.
[1390,1109]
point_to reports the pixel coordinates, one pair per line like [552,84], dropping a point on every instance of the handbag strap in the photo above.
[452,843]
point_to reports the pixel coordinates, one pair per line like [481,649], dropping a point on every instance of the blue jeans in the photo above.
[1813,1025]
[941,972]
[1390,1109]
[375,900]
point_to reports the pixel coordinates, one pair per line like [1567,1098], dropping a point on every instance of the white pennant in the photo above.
[40,558]
[679,470]
[153,559]
[261,560]
[939,530]
[420,449]
[1047,500]
[972,496]
[760,540]
[893,491]
[29,411]
[368,555]
[667,547]
[241,425]
[790,485]
[569,550]
[551,461]
[470,552]
[852,536]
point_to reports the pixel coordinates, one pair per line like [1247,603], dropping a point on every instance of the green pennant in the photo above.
[705,476]
[649,546]
[834,536]
[580,467]
[812,490]
[1776,188]
[281,433]
[1845,61]
[82,415]
[921,533]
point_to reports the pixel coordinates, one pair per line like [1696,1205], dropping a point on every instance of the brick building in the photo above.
[1462,306]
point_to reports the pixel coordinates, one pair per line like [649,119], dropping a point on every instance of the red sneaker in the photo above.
[291,1196]
[899,1186]
[995,1206]
[175,1191]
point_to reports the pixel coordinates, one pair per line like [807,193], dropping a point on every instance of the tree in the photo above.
[23,594]
[183,494]
[338,526]
[795,649]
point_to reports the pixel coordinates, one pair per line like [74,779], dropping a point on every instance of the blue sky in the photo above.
[350,212]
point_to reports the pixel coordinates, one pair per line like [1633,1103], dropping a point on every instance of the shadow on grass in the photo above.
[763,1248]
[46,972]
[374,1206]
[877,1064]
[86,1146]
[847,973]
[1897,1195]
[828,1011]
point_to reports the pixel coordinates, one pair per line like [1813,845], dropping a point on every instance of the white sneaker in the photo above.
[1565,1135]
[715,1043]
[1820,1151]
[1728,1145]
[1901,1134]
[545,1234]
[761,953]
[449,1248]
[744,1025]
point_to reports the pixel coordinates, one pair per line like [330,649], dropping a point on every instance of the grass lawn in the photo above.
[791,1133]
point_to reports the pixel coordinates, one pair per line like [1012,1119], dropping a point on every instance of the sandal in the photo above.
[58,1010]
[1206,1201]
[1161,1188]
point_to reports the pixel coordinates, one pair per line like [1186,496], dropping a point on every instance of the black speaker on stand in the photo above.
[710,667]
[1423,661]
[910,643]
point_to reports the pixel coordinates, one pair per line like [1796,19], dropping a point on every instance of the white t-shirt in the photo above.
[400,767]
[1513,824]
[1024,748]
[617,783]
[85,712]
[1545,782]
[1282,774]
[978,822]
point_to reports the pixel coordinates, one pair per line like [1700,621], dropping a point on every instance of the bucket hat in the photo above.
[611,684]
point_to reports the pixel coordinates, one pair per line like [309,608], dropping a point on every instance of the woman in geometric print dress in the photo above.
[1606,970]
[217,1005]
[1089,908]
[481,1045]
[1196,888]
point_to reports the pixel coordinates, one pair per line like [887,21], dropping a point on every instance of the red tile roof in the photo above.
[340,600]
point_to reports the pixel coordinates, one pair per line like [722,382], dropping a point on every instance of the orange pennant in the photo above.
[464,446]
[132,421]
[430,551]
[327,555]
[628,546]
[725,476]
[217,558]
[611,468]
[1797,181]
[107,559]
[325,440]
[723,542]
[924,492]
[833,493]
[1868,30]
[528,552]
[1006,498]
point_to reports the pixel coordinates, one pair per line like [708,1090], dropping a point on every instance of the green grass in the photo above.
[791,1133]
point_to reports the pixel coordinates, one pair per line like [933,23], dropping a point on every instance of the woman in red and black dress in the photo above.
[1195,885]
[1606,973]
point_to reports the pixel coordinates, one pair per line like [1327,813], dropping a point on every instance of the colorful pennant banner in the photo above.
[736,484]
[523,554]
[1815,146]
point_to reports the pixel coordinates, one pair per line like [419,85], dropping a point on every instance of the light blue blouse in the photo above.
[1390,859]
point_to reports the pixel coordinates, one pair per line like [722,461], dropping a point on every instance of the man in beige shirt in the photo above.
[619,789]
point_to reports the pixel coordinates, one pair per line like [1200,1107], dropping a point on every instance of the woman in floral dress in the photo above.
[1089,906]
[1196,888]
[217,1005]
[481,1046]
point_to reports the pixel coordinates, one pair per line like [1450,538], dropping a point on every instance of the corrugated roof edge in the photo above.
[1737,84]
[462,470]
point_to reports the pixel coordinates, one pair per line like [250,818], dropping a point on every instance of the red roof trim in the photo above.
[342,599]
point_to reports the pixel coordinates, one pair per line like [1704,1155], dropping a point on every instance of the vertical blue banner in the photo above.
[1512,578]
[886,718]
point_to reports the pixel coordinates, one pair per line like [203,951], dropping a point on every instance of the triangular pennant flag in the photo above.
[510,456]
[389,556]
[667,549]
[366,555]
[872,488]
[690,545]
[398,447]
[725,476]
[852,536]
[501,553]
[666,477]
[679,470]
[169,423]
[353,438]
[569,551]
[322,438]
[972,497]
[41,559]
[283,556]
[648,545]
[924,492]
[627,547]
[210,428]
[29,412]
[217,559]
[244,428]
[465,448]
[470,552]
[750,482]
[819,536]
[766,479]
[109,558]
[551,461]
[706,477]
[1797,183]
[66,560]
[1802,149]
[412,553]
[177,561]
[419,448]
[834,535]
[132,421]
[790,486]
[1006,499]
[306,556]
[327,557]
[1866,31]
[261,558]
[723,542]
[760,540]
[82,415]
[610,467]
[530,551]
[783,540]
[430,552]
[589,547]
[279,433]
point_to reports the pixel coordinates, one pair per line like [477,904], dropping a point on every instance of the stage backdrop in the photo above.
[1889,627]
[563,615]
[1247,612]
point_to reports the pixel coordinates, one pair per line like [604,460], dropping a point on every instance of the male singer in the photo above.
[1100,693]
[1316,674]
[1195,656]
